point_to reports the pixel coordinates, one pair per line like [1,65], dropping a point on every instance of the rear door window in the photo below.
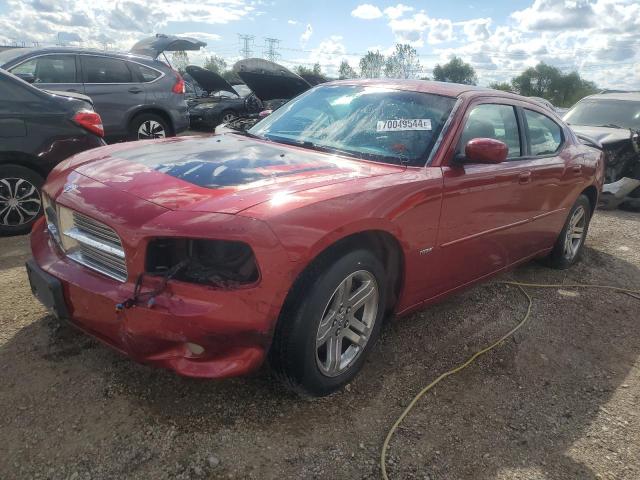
[98,69]
[47,69]
[142,73]
[545,135]
[493,121]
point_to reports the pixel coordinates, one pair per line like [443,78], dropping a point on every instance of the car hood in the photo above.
[221,173]
[154,46]
[602,135]
[208,80]
[270,81]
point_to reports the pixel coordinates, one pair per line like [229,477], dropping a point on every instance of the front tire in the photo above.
[330,324]
[569,245]
[20,204]
[227,116]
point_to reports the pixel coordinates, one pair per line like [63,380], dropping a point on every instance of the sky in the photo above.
[598,38]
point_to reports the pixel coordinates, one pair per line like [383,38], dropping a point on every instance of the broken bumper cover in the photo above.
[616,193]
[192,329]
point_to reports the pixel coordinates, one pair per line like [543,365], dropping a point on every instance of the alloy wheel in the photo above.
[347,323]
[19,202]
[575,233]
[227,117]
[151,129]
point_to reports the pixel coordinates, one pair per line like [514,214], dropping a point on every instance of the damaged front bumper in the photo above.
[622,167]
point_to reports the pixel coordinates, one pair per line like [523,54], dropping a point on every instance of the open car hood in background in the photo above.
[154,46]
[208,80]
[270,81]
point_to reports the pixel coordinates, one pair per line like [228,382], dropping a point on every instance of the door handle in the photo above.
[135,90]
[577,168]
[73,90]
[524,178]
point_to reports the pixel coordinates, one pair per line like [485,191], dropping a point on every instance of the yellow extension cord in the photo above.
[383,455]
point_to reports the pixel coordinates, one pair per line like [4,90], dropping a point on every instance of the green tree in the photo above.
[455,71]
[180,60]
[403,62]
[216,64]
[549,82]
[346,71]
[504,86]
[372,65]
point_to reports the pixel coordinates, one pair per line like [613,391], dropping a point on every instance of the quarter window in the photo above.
[105,70]
[545,135]
[493,121]
[47,69]
[144,74]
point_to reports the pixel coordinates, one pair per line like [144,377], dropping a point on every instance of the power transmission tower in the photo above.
[271,46]
[247,45]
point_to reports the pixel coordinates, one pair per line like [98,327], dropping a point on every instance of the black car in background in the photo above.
[215,101]
[272,84]
[38,130]
[611,121]
[137,95]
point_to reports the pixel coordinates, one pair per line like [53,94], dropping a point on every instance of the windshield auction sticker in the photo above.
[403,124]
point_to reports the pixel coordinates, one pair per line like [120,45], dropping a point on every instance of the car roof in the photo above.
[20,53]
[438,88]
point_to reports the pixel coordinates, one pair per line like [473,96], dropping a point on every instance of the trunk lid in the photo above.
[154,46]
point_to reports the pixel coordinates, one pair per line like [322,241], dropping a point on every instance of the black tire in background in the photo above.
[146,126]
[295,355]
[563,254]
[20,202]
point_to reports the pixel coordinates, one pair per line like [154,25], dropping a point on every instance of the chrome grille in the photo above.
[88,242]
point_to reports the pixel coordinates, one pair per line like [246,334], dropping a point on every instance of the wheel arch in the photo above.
[153,111]
[383,243]
[591,192]
[22,159]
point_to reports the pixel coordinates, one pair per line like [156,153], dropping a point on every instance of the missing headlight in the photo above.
[219,263]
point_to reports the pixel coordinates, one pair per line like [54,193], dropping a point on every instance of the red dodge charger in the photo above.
[294,240]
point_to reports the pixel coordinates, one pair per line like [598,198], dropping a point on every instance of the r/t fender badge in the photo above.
[426,251]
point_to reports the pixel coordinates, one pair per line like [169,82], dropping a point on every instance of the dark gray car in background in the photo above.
[137,95]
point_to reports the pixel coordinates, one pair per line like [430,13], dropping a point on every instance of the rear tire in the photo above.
[320,319]
[570,243]
[147,126]
[20,201]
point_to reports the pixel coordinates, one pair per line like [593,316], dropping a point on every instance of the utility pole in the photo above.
[246,41]
[271,46]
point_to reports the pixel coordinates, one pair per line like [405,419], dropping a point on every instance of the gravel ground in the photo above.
[559,400]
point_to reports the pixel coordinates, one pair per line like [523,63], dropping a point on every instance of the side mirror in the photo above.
[486,150]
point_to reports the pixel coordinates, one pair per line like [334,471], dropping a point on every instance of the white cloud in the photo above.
[412,29]
[98,21]
[476,29]
[556,15]
[306,35]
[366,11]
[397,11]
[292,22]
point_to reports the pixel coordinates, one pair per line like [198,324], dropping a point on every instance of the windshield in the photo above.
[369,122]
[596,113]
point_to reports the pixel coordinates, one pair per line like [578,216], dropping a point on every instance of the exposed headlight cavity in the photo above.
[219,263]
